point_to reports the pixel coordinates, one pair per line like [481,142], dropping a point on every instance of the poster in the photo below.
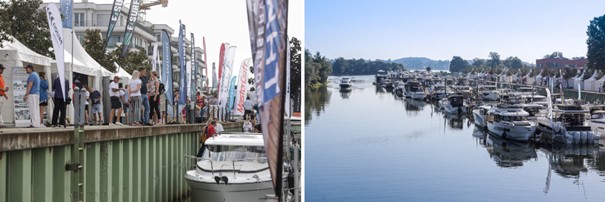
[19,87]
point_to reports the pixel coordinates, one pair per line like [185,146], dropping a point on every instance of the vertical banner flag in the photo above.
[226,77]
[221,59]
[287,101]
[193,85]
[182,83]
[67,11]
[167,72]
[214,82]
[133,14]
[231,93]
[242,87]
[56,34]
[205,64]
[154,58]
[267,22]
[113,18]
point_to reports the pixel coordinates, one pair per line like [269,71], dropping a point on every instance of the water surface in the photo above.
[368,145]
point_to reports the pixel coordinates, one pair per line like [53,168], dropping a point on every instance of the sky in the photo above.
[217,21]
[441,29]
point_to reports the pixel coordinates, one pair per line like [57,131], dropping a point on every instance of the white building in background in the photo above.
[90,15]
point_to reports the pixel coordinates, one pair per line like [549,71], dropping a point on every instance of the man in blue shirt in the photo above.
[32,96]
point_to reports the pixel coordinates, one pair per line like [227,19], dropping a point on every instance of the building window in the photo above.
[79,20]
[113,40]
[80,37]
[102,19]
[121,20]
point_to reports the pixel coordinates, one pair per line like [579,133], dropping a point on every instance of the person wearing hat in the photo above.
[32,96]
[3,96]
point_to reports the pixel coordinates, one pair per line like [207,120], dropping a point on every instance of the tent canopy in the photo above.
[16,51]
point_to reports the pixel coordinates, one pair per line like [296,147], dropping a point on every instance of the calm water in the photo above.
[366,145]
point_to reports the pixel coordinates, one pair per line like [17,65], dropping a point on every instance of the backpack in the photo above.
[161,89]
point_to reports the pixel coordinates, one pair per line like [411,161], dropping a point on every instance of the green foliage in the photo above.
[428,69]
[317,68]
[596,43]
[513,62]
[316,100]
[494,60]
[132,61]
[295,68]
[420,63]
[555,54]
[93,44]
[343,66]
[478,62]
[24,20]
[458,64]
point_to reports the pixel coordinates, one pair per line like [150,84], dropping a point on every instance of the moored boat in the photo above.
[510,122]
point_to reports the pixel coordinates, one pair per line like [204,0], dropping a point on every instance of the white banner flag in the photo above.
[154,61]
[242,87]
[226,78]
[56,34]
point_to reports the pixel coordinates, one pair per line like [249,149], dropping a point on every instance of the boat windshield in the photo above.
[234,153]
[596,116]
[514,118]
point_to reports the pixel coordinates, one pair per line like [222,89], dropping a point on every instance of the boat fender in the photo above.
[217,179]
[225,179]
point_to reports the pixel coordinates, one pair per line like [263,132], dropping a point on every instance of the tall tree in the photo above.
[478,62]
[93,44]
[458,64]
[295,68]
[596,43]
[513,62]
[494,60]
[24,20]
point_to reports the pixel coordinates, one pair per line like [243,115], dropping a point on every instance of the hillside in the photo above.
[420,63]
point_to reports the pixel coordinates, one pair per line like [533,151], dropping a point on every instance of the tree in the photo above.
[428,69]
[596,43]
[93,44]
[24,20]
[458,64]
[555,54]
[133,60]
[494,60]
[295,68]
[513,62]
[478,62]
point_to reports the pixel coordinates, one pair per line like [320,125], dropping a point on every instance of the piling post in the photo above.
[77,152]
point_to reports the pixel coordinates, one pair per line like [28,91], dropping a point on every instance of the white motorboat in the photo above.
[345,83]
[438,92]
[233,167]
[465,91]
[413,90]
[568,127]
[489,93]
[480,115]
[510,122]
[380,76]
[597,121]
[454,104]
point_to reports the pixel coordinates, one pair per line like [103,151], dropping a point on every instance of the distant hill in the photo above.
[420,63]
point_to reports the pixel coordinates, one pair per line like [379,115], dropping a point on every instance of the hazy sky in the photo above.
[441,29]
[218,21]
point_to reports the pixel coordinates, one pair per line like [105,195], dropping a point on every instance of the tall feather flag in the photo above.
[193,85]
[242,87]
[182,81]
[133,14]
[221,59]
[66,11]
[205,64]
[113,19]
[167,72]
[267,22]
[56,34]
[225,79]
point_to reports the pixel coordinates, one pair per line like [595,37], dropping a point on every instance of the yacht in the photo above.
[510,122]
[439,91]
[454,104]
[413,90]
[345,83]
[489,93]
[380,76]
[233,167]
[597,121]
[480,115]
[465,91]
[568,127]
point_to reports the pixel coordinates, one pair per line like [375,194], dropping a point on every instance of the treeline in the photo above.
[343,66]
[457,64]
[317,69]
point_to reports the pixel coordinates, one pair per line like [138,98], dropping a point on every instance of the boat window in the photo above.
[497,118]
[234,153]
[596,116]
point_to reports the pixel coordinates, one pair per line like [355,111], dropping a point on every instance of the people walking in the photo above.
[134,98]
[43,96]
[144,99]
[116,105]
[32,96]
[3,94]
[154,87]
[60,102]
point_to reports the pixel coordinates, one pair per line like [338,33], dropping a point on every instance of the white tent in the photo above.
[122,73]
[14,56]
[578,80]
[81,55]
[599,84]
[590,82]
[538,78]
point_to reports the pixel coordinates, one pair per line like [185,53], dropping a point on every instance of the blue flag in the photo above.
[167,72]
[231,93]
[66,12]
[183,82]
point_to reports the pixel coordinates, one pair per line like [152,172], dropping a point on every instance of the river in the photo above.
[368,145]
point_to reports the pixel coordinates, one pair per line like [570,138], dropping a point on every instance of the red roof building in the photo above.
[578,63]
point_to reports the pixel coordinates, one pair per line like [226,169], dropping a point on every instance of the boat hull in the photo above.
[518,133]
[211,191]
[479,119]
[342,85]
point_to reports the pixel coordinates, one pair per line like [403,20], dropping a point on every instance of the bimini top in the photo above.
[244,139]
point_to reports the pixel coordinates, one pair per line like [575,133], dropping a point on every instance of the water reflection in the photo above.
[345,93]
[454,121]
[508,154]
[316,101]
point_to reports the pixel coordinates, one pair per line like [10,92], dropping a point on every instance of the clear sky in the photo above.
[441,29]
[218,21]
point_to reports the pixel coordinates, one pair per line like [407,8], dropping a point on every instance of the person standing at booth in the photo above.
[32,96]
[43,96]
[3,96]
[60,102]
